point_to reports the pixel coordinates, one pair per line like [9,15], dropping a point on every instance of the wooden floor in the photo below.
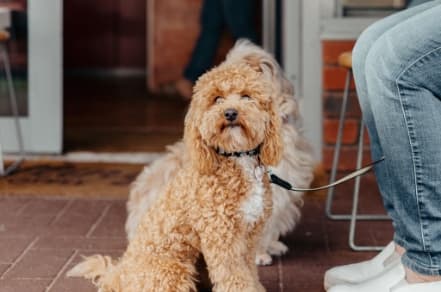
[118,115]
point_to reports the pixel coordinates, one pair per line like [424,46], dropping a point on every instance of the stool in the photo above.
[345,61]
[4,56]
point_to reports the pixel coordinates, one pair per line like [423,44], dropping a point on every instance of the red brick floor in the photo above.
[40,239]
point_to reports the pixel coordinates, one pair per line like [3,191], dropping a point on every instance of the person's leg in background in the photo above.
[361,271]
[212,23]
[403,91]
[240,18]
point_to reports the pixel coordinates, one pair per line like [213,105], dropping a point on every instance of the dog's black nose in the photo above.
[230,114]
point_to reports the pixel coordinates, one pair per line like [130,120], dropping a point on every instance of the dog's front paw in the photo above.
[263,259]
[277,248]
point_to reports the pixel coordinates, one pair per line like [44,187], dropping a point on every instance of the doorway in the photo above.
[107,106]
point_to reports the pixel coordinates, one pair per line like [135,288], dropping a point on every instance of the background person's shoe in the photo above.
[360,272]
[392,280]
[184,88]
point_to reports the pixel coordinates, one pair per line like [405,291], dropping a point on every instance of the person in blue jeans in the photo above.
[237,16]
[397,71]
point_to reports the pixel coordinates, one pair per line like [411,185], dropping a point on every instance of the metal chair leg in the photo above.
[353,216]
[336,158]
[14,109]
[356,194]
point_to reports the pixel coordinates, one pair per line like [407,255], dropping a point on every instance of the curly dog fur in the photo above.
[215,205]
[297,162]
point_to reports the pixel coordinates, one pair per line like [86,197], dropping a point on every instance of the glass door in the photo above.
[35,55]
[301,20]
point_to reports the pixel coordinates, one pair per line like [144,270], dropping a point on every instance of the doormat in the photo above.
[89,175]
[70,179]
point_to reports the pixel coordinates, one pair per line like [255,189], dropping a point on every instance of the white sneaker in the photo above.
[360,272]
[392,280]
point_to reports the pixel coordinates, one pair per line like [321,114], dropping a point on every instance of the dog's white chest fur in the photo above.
[253,205]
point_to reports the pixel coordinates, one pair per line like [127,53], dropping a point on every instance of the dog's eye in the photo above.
[246,97]
[218,99]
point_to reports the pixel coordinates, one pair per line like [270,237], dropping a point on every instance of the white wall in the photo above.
[42,128]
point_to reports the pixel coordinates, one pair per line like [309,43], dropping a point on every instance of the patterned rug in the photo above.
[70,179]
[85,175]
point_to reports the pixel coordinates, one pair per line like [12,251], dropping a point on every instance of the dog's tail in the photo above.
[99,269]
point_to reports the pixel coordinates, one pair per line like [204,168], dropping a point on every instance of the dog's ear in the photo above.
[264,65]
[255,56]
[272,148]
[202,157]
[287,104]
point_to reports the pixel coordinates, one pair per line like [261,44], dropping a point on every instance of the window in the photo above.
[367,8]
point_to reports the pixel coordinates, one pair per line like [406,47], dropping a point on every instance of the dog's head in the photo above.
[245,51]
[232,109]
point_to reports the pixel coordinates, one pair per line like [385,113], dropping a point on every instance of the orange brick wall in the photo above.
[333,85]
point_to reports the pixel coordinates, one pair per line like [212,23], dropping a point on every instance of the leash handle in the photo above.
[286,185]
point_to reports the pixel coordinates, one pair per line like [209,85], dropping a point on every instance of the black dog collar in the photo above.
[253,152]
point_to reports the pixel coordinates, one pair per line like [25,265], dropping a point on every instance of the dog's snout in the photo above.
[230,114]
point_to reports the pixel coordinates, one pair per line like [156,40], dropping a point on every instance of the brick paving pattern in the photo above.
[40,239]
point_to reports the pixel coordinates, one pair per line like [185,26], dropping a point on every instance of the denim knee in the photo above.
[359,53]
[382,65]
[362,47]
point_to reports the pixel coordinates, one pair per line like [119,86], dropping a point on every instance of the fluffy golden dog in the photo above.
[296,164]
[218,201]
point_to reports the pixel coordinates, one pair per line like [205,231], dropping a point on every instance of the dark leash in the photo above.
[274,179]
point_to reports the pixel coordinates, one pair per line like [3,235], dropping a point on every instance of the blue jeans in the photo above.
[397,69]
[236,15]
